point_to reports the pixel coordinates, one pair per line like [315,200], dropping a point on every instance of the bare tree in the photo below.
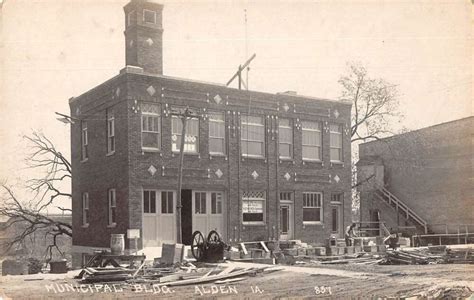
[30,214]
[375,108]
[375,104]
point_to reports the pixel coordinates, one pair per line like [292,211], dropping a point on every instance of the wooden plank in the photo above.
[138,270]
[264,246]
[227,270]
[244,249]
[170,278]
[231,280]
[209,278]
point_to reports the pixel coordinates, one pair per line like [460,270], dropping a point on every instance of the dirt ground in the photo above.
[441,281]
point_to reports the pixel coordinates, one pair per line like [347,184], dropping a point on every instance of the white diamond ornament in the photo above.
[219,173]
[286,107]
[337,179]
[217,99]
[152,170]
[287,176]
[254,174]
[151,90]
[149,42]
[336,113]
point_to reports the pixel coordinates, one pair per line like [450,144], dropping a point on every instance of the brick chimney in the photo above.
[144,35]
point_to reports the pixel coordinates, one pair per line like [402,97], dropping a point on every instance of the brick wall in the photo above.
[430,170]
[127,169]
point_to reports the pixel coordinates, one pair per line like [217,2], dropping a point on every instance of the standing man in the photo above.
[349,233]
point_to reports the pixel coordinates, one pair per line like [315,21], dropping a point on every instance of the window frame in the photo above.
[84,141]
[85,209]
[149,212]
[201,200]
[146,115]
[154,16]
[110,133]
[215,208]
[264,213]
[129,17]
[291,143]
[331,147]
[221,122]
[242,140]
[178,135]
[112,207]
[320,207]
[320,146]
[167,193]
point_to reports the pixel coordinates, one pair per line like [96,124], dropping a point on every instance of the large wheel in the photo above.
[213,237]
[197,245]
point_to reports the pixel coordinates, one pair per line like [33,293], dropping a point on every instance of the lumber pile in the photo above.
[178,275]
[430,255]
[460,256]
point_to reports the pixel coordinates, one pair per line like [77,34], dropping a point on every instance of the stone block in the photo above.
[350,250]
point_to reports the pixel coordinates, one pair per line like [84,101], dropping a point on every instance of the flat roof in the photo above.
[139,71]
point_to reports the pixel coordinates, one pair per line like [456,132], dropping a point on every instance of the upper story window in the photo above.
[149,16]
[112,199]
[335,137]
[85,209]
[110,132]
[285,138]
[312,207]
[191,138]
[216,133]
[252,136]
[151,127]
[311,143]
[131,17]
[253,206]
[84,141]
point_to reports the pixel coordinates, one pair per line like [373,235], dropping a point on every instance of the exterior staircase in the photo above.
[386,196]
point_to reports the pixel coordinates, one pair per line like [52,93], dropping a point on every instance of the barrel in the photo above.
[117,244]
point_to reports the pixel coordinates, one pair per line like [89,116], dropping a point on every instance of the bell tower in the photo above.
[144,35]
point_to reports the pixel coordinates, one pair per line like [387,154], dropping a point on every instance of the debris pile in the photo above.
[429,255]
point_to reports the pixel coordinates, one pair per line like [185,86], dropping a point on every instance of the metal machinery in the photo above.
[208,250]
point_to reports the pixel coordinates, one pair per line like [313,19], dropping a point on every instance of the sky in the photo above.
[52,50]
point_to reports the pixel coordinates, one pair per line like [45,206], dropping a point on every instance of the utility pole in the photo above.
[183,115]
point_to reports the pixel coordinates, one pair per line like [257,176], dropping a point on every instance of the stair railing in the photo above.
[390,198]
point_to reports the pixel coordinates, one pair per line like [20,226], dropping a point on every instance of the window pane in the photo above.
[310,152]
[170,202]
[149,16]
[285,150]
[150,140]
[334,220]
[311,214]
[335,154]
[152,202]
[253,217]
[216,145]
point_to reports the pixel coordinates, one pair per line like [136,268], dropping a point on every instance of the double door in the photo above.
[208,212]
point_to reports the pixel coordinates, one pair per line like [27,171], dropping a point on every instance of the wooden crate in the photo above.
[301,251]
[350,250]
[321,251]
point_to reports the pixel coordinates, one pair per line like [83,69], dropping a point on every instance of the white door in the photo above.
[159,222]
[336,221]
[208,212]
[286,221]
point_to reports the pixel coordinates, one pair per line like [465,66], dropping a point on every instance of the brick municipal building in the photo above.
[257,166]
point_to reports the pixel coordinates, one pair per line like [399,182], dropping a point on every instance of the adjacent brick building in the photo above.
[430,170]
[257,166]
